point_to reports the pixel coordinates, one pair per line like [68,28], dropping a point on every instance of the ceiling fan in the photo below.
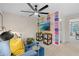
[35,10]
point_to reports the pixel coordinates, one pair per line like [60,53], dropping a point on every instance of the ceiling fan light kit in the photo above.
[35,13]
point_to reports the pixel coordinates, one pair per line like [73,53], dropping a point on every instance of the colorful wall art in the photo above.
[44,24]
[44,32]
[56,28]
[39,36]
[47,38]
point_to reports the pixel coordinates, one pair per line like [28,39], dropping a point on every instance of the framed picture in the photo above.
[47,38]
[44,24]
[39,36]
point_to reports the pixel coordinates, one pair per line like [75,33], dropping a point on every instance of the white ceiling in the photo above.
[65,9]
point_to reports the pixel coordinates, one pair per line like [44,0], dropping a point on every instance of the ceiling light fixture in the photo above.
[35,13]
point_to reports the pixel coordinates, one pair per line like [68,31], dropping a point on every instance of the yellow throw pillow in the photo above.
[17,46]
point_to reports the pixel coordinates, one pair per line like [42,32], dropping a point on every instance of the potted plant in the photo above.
[30,40]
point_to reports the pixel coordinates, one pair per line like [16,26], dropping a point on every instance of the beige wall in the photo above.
[24,25]
[27,25]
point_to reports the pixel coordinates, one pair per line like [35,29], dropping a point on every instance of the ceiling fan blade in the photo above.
[28,11]
[43,13]
[31,6]
[31,14]
[43,8]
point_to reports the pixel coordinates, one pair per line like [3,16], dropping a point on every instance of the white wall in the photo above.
[21,24]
